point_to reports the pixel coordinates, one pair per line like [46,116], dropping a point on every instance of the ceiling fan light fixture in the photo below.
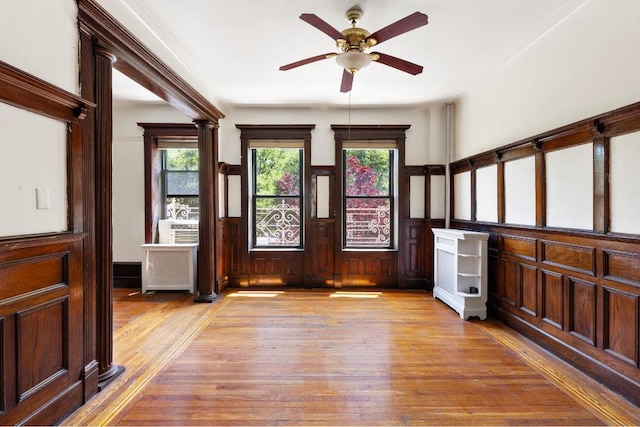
[353,60]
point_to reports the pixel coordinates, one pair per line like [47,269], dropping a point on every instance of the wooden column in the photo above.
[107,370]
[87,79]
[208,210]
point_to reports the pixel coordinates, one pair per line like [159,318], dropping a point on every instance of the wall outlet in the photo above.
[42,198]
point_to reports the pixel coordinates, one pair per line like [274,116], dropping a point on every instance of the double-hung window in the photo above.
[180,183]
[277,194]
[180,193]
[368,196]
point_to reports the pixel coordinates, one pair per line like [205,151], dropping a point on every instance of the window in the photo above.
[180,183]
[369,201]
[276,199]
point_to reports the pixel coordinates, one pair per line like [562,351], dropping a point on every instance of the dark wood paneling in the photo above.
[582,310]
[42,345]
[529,289]
[362,268]
[42,355]
[519,247]
[276,268]
[553,298]
[571,257]
[322,245]
[588,301]
[230,252]
[589,285]
[621,325]
[414,240]
[622,267]
[510,282]
[41,312]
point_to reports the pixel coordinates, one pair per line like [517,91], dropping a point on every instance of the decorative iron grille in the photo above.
[368,226]
[278,224]
[176,210]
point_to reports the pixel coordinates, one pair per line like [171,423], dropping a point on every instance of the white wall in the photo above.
[569,178]
[625,204]
[585,66]
[33,156]
[41,38]
[424,143]
[520,191]
[128,174]
[487,194]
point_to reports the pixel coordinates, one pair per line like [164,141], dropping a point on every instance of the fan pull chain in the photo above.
[349,116]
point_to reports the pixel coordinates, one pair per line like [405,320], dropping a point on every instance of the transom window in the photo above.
[369,201]
[277,195]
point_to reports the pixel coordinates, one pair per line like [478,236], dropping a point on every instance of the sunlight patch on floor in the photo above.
[255,294]
[342,294]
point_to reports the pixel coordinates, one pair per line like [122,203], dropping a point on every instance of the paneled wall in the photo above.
[562,209]
[322,262]
[46,370]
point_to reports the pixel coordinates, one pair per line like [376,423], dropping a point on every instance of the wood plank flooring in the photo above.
[333,358]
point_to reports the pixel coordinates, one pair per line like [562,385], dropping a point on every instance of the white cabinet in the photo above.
[460,271]
[169,267]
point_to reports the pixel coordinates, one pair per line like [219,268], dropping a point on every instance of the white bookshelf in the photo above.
[460,271]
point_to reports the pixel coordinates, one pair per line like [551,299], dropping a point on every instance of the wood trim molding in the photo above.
[272,132]
[28,92]
[136,61]
[153,134]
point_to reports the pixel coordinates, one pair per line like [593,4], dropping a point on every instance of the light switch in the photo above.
[42,198]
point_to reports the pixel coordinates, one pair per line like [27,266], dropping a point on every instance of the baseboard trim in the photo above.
[127,275]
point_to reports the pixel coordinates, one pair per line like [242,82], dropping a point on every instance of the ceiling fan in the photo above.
[353,44]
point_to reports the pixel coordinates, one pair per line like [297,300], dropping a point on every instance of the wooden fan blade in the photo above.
[347,81]
[411,22]
[400,64]
[320,24]
[307,61]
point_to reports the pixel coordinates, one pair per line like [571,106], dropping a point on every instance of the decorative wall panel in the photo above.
[621,325]
[582,310]
[553,298]
[529,289]
[622,267]
[571,257]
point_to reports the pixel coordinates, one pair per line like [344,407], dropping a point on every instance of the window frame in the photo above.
[255,196]
[164,173]
[391,196]
[373,134]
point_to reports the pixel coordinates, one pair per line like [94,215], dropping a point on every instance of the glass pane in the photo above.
[182,159]
[367,172]
[368,222]
[277,171]
[183,208]
[182,183]
[277,221]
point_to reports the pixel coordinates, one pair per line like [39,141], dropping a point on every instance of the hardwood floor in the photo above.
[333,358]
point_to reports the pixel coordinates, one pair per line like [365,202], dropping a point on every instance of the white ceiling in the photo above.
[230,50]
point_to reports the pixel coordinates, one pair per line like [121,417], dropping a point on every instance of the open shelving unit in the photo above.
[460,271]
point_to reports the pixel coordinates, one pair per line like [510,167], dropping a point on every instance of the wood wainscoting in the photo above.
[576,294]
[355,268]
[41,335]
